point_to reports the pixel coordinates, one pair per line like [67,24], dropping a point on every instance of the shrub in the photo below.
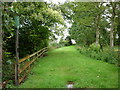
[94,52]
[83,50]
[109,56]
[55,45]
[7,66]
[95,47]
[64,43]
[10,84]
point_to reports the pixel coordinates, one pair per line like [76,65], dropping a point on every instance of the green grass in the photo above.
[67,64]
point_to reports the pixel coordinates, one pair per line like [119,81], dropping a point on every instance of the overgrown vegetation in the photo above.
[95,52]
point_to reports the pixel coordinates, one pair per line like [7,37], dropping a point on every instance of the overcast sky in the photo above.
[57,1]
[66,22]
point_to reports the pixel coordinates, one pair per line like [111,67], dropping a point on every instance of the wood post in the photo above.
[17,58]
[0,43]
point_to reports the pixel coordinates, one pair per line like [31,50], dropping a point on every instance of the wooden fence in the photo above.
[24,65]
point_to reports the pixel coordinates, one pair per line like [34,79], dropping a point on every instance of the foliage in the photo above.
[66,42]
[106,55]
[92,19]
[63,43]
[54,44]
[82,35]
[10,84]
[69,42]
[82,30]
[36,19]
[95,47]
[7,66]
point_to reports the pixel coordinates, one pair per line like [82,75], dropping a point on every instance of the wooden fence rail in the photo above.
[24,64]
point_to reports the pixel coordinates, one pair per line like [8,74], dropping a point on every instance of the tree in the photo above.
[82,35]
[36,19]
[90,23]
[99,10]
[87,18]
[112,10]
[112,25]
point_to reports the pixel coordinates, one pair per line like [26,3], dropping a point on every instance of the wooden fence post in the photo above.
[17,58]
[1,7]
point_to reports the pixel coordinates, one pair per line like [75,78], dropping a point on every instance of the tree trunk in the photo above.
[112,26]
[98,23]
[97,35]
[97,29]
[112,35]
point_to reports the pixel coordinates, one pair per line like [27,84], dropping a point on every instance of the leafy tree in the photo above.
[112,10]
[84,22]
[82,35]
[36,19]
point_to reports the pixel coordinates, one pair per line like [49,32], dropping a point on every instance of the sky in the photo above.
[62,1]
[66,33]
[57,1]
[66,22]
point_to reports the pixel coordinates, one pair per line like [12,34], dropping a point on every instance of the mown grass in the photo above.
[67,64]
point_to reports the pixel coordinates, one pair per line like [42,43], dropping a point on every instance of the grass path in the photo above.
[67,64]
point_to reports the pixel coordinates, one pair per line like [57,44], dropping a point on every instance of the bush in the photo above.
[109,56]
[7,66]
[53,44]
[10,84]
[83,50]
[94,52]
[95,47]
[63,43]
